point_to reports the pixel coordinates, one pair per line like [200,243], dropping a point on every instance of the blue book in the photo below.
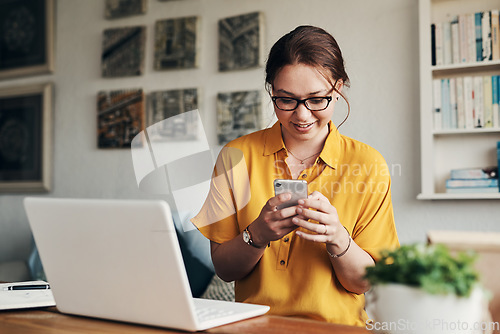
[471,183]
[445,104]
[479,36]
[479,190]
[494,95]
[498,157]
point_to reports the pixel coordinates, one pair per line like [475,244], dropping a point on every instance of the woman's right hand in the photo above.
[273,223]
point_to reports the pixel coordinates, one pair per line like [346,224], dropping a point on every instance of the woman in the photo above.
[307,260]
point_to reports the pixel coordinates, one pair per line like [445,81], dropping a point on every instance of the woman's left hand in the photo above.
[328,229]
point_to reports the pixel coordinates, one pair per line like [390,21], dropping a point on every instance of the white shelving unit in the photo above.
[444,150]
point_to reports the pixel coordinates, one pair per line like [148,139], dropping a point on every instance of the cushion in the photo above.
[219,290]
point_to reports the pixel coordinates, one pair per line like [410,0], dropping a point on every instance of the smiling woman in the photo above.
[306,260]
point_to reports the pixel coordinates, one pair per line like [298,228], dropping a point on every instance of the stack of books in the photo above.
[473,180]
[469,37]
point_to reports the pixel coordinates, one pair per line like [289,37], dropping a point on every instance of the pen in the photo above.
[28,287]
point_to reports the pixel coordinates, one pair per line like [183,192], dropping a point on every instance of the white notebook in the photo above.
[14,299]
[121,260]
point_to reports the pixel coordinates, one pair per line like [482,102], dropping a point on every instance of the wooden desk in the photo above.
[44,321]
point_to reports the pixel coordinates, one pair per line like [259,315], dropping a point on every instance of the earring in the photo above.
[337,98]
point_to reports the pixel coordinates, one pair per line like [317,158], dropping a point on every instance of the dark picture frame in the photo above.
[116,9]
[26,138]
[238,114]
[177,43]
[123,52]
[26,37]
[240,42]
[120,117]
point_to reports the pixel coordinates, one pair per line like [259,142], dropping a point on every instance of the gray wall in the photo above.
[379,40]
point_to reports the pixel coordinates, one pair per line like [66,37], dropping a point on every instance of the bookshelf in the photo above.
[446,149]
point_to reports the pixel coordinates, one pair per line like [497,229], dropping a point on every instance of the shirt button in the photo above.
[286,239]
[282,262]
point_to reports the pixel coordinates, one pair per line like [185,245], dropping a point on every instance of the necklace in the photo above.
[302,160]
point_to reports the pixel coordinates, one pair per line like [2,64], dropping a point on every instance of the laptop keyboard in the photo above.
[209,313]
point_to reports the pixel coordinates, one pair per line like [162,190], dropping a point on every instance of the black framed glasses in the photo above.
[311,103]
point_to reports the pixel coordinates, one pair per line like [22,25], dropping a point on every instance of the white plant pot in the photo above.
[398,309]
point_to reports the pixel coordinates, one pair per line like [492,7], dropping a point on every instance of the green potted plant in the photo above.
[422,288]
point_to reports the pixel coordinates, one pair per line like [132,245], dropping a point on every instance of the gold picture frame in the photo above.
[26,37]
[26,138]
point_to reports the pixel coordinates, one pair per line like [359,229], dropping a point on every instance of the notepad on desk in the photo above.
[27,294]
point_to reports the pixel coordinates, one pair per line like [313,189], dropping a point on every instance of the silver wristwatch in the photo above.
[247,238]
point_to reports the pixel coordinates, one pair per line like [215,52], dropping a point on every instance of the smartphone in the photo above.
[298,189]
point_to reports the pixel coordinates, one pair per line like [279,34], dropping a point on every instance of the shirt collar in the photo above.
[330,153]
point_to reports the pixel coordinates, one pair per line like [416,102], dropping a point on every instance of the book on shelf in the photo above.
[495,37]
[495,94]
[439,43]
[433,44]
[479,36]
[437,115]
[466,102]
[498,158]
[455,41]
[471,42]
[486,38]
[474,173]
[478,102]
[468,37]
[463,38]
[460,103]
[447,47]
[487,101]
[471,190]
[445,104]
[453,103]
[472,183]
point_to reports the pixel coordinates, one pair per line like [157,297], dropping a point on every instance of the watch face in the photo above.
[246,237]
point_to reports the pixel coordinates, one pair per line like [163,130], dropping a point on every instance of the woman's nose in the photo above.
[302,113]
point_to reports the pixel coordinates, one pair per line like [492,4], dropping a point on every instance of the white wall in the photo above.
[379,40]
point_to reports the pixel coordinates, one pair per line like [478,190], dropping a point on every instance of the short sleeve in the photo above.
[375,228]
[229,191]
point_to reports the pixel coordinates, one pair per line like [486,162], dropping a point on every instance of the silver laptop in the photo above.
[120,260]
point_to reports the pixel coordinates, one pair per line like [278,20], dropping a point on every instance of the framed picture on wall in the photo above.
[120,117]
[240,42]
[123,51]
[163,105]
[116,9]
[26,138]
[26,37]
[176,43]
[238,114]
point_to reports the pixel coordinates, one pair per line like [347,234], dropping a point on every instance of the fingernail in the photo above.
[295,220]
[299,210]
[301,201]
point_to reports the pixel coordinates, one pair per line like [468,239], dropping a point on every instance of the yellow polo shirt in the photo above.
[295,276]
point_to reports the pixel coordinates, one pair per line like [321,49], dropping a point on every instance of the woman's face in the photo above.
[301,81]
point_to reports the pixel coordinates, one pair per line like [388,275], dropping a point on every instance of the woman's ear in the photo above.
[339,84]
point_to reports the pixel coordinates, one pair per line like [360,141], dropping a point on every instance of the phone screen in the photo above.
[298,189]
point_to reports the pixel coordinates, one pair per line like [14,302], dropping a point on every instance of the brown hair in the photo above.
[311,46]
